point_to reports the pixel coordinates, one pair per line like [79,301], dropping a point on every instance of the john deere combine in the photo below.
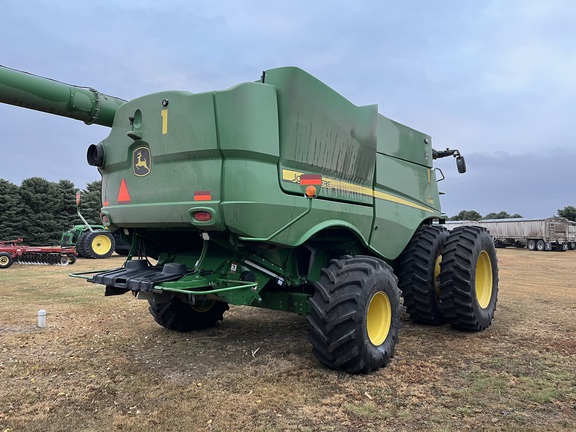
[282,194]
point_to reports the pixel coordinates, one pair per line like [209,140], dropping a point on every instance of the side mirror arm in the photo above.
[460,162]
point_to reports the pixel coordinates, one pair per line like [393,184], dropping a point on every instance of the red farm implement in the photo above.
[11,251]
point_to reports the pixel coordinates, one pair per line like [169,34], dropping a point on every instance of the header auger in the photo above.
[282,194]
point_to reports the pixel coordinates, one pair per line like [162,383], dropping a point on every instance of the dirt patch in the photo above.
[104,364]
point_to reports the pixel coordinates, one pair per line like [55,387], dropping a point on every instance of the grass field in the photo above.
[104,364]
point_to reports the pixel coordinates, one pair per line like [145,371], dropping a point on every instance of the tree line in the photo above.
[39,211]
[569,212]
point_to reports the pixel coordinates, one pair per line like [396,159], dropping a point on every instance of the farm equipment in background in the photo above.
[282,194]
[537,234]
[11,251]
[93,241]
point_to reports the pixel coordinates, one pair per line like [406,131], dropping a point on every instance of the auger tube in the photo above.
[43,94]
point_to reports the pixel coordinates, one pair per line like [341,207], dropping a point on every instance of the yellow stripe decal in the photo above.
[330,183]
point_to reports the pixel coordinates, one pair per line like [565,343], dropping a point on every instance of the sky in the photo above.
[495,79]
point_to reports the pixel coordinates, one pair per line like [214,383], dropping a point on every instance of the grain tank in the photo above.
[280,193]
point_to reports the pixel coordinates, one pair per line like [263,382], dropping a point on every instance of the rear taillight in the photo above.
[202,216]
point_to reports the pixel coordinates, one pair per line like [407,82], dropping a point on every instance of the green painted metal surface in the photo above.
[246,148]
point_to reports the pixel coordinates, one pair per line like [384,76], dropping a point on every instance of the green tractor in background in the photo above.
[91,241]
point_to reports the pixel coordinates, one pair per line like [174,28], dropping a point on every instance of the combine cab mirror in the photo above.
[461,164]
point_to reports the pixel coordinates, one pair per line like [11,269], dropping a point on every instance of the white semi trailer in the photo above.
[571,235]
[553,233]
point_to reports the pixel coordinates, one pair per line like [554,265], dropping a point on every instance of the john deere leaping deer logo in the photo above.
[141,161]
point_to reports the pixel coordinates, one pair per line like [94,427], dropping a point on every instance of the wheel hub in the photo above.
[101,244]
[379,318]
[483,280]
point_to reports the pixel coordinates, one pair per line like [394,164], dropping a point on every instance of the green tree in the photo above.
[502,215]
[65,213]
[467,215]
[10,211]
[569,212]
[92,202]
[40,199]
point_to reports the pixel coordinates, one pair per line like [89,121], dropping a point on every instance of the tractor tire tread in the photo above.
[416,274]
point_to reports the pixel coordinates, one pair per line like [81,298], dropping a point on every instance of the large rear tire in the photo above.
[81,244]
[5,260]
[99,244]
[419,269]
[469,279]
[177,315]
[355,315]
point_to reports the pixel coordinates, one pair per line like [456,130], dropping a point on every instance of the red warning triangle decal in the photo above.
[123,194]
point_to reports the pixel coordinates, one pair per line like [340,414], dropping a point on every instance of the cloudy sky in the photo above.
[493,78]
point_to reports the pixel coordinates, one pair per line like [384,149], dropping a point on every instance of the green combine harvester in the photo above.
[281,194]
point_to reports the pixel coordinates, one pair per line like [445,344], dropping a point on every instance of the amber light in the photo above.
[203,216]
[310,191]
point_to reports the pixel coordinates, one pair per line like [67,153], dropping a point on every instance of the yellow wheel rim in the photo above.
[379,318]
[203,307]
[437,275]
[3,260]
[101,244]
[484,279]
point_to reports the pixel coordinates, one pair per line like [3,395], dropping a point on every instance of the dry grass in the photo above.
[104,364]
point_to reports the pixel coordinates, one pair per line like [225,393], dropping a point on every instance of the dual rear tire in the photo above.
[468,279]
[419,269]
[444,278]
[451,277]
[95,244]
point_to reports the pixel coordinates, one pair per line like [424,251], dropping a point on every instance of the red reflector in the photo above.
[311,179]
[202,196]
[203,216]
[123,194]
